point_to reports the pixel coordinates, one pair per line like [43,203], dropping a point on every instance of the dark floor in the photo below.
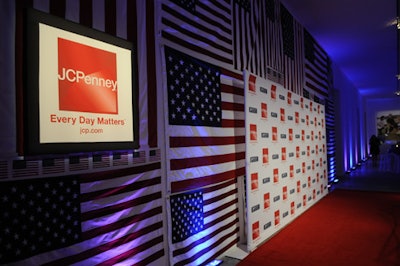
[382,176]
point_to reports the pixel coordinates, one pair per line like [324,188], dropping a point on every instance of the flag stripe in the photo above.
[207,6]
[194,47]
[185,185]
[138,249]
[177,164]
[178,16]
[119,190]
[205,31]
[101,248]
[232,106]
[105,175]
[176,142]
[193,35]
[121,222]
[219,197]
[118,207]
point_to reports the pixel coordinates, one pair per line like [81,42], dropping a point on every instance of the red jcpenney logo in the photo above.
[253,132]
[282,115]
[267,202]
[256,230]
[265,155]
[273,92]
[276,175]
[277,217]
[264,110]
[292,208]
[289,98]
[284,193]
[252,83]
[274,134]
[87,78]
[254,181]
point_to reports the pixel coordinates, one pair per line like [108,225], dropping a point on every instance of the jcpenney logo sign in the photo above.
[79,76]
[87,78]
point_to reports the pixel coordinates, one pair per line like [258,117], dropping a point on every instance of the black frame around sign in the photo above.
[31,130]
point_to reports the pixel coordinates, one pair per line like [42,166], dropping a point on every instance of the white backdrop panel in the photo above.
[286,168]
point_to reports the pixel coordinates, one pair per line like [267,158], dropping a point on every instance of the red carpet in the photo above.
[344,228]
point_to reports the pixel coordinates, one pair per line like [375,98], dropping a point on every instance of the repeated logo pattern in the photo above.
[285,155]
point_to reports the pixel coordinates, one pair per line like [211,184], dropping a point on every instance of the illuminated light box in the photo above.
[79,88]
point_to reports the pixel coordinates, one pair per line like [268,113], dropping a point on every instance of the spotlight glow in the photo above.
[214,263]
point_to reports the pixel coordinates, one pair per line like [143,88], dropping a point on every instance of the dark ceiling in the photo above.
[360,37]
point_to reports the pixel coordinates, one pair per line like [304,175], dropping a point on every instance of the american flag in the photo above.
[202,27]
[317,67]
[90,219]
[293,52]
[257,41]
[202,156]
[217,225]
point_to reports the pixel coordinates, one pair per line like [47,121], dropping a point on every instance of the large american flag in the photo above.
[257,42]
[204,156]
[108,218]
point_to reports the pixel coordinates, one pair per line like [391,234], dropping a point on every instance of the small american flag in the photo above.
[25,168]
[53,166]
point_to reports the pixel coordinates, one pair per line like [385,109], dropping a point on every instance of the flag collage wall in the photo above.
[224,94]
[286,169]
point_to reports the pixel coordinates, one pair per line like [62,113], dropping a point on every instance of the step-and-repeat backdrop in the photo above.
[286,168]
